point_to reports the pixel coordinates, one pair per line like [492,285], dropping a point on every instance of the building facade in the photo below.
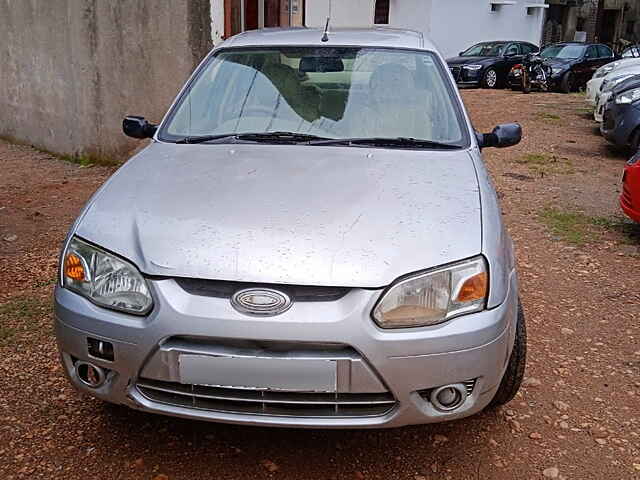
[453,25]
[614,22]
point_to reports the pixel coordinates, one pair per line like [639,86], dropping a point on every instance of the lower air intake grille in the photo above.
[259,402]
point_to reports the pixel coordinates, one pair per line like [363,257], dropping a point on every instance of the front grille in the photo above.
[223,289]
[469,385]
[260,402]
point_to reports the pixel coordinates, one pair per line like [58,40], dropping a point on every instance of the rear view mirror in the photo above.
[505,135]
[138,127]
[321,64]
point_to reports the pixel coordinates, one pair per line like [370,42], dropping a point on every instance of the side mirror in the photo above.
[505,135]
[138,127]
[460,54]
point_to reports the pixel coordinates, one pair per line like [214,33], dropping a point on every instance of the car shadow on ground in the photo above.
[329,453]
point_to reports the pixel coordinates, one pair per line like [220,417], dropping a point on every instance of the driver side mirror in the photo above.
[138,127]
[460,54]
[505,135]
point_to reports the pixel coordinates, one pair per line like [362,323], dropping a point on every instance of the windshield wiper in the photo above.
[400,142]
[279,136]
[205,138]
[288,137]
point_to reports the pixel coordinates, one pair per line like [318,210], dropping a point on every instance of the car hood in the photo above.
[289,214]
[559,62]
[469,60]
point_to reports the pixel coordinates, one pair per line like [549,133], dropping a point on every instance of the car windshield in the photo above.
[563,51]
[484,50]
[319,92]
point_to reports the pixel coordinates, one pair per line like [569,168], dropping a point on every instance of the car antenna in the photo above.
[325,35]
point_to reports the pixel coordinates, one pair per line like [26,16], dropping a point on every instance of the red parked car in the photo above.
[630,198]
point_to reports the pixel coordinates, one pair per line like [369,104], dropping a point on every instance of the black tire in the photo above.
[526,84]
[490,79]
[514,374]
[566,84]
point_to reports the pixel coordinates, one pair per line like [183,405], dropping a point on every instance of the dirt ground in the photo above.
[577,417]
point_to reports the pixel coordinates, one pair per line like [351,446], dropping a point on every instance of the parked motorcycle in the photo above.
[535,74]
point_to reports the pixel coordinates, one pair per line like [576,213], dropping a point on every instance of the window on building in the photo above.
[382,12]
[241,15]
[580,25]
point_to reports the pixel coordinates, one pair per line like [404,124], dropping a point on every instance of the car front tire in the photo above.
[514,374]
[490,79]
[566,84]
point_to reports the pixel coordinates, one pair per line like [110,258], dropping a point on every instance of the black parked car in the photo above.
[572,64]
[621,118]
[487,64]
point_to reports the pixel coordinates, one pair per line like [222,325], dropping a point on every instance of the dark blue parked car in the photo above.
[621,120]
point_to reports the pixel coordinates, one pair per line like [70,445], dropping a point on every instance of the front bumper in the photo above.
[593,88]
[619,122]
[630,196]
[601,101]
[465,77]
[402,364]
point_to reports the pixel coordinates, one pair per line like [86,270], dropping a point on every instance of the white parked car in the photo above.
[593,85]
[609,81]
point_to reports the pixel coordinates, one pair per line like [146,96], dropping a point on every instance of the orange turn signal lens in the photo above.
[73,267]
[474,288]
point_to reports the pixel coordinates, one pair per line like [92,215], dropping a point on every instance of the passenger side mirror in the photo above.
[505,135]
[138,127]
[460,54]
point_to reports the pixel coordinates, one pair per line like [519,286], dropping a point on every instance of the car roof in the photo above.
[365,37]
[582,44]
[502,41]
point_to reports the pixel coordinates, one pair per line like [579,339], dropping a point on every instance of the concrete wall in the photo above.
[453,25]
[71,69]
[344,13]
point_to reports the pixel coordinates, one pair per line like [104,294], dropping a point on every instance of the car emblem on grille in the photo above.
[261,301]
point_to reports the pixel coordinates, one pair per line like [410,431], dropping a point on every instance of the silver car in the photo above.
[310,239]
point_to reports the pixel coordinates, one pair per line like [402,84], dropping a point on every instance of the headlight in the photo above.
[434,297]
[472,67]
[608,85]
[556,70]
[104,279]
[603,71]
[629,96]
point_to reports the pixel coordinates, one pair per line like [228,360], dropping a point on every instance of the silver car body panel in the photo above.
[289,214]
[306,215]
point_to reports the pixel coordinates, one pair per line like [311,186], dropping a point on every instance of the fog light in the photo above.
[448,397]
[89,374]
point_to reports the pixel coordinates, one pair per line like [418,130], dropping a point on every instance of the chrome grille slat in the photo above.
[263,402]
